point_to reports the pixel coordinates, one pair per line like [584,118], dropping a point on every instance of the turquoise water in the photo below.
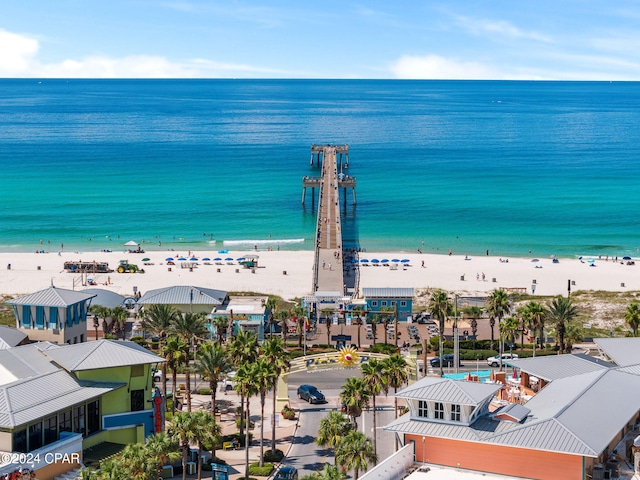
[550,167]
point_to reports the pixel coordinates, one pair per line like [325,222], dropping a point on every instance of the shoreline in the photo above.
[287,273]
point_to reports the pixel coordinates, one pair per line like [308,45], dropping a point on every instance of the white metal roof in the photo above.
[52,297]
[624,351]
[388,292]
[553,367]
[183,295]
[453,391]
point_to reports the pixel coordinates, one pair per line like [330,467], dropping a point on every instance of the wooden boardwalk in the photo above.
[328,272]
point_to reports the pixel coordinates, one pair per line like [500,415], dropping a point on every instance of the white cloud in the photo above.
[499,28]
[435,67]
[16,53]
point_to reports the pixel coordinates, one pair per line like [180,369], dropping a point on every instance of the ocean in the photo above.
[549,168]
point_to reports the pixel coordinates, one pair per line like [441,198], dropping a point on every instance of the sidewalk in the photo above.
[285,431]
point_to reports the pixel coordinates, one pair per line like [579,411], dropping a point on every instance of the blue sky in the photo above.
[401,39]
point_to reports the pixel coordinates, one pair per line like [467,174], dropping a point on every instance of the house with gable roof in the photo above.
[580,425]
[53,315]
[73,399]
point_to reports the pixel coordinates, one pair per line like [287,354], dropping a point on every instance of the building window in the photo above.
[438,411]
[64,420]
[455,413]
[50,430]
[20,441]
[137,370]
[79,420]
[384,303]
[423,410]
[35,436]
[403,303]
[137,400]
[93,417]
[374,303]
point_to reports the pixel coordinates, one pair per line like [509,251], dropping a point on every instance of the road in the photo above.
[305,455]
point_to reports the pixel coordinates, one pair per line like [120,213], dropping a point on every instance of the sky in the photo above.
[366,39]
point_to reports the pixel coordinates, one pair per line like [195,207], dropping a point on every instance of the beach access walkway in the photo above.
[328,273]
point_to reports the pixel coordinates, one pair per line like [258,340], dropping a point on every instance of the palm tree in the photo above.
[329,472]
[100,311]
[355,396]
[272,306]
[508,328]
[373,378]
[220,323]
[173,352]
[137,464]
[204,430]
[212,363]
[356,313]
[355,452]
[534,315]
[374,327]
[497,306]
[326,313]
[120,316]
[632,317]
[396,375]
[333,429]
[561,313]
[297,315]
[182,431]
[160,446]
[189,327]
[158,319]
[386,320]
[572,335]
[242,351]
[245,386]
[474,313]
[283,316]
[274,351]
[264,379]
[440,307]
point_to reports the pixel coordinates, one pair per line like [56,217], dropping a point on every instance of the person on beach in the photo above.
[422,263]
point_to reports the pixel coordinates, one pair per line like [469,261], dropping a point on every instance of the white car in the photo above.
[495,361]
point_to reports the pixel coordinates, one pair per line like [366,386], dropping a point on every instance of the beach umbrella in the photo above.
[591,260]
[217,259]
[363,260]
[535,260]
[385,260]
[131,243]
[395,260]
[405,260]
[228,259]
[206,259]
[375,260]
[239,259]
[182,259]
[168,258]
[626,258]
[193,259]
[145,259]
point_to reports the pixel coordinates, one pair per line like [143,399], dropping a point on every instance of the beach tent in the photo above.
[131,243]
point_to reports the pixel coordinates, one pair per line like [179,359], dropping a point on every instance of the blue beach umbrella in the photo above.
[193,259]
[395,260]
[385,260]
[206,259]
[363,260]
[182,259]
[591,260]
[405,260]
[375,260]
[228,259]
[168,258]
[239,259]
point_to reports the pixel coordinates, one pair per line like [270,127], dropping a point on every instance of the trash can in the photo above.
[8,266]
[218,270]
[39,267]
[462,278]
[169,268]
[284,272]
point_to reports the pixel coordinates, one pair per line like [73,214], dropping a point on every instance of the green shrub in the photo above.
[256,469]
[385,348]
[204,391]
[273,457]
[243,421]
[288,413]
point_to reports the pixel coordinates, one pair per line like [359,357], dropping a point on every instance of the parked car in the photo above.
[157,376]
[311,394]
[495,361]
[447,361]
[286,473]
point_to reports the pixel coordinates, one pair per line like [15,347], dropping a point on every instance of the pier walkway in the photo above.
[328,272]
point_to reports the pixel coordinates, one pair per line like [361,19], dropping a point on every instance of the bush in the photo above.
[256,469]
[288,413]
[204,391]
[273,457]
[387,348]
[243,422]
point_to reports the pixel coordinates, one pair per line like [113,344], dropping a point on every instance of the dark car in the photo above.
[286,473]
[311,394]
[447,361]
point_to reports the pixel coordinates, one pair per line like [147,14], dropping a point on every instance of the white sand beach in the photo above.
[34,271]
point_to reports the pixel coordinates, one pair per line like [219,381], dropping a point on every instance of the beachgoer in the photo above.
[323,264]
[483,276]
[422,263]
[477,276]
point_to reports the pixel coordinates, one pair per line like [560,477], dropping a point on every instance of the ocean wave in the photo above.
[259,242]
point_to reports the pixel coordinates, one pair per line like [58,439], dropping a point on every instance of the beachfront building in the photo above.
[186,298]
[53,315]
[85,401]
[11,337]
[247,313]
[400,299]
[579,425]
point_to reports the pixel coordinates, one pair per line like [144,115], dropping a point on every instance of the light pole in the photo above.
[456,338]
[533,289]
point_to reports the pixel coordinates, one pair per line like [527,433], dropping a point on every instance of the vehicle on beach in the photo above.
[87,267]
[495,361]
[311,394]
[126,267]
